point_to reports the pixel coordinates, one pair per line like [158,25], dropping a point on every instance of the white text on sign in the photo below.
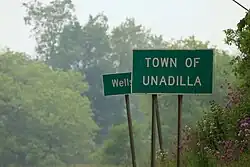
[171,80]
[170,62]
[121,83]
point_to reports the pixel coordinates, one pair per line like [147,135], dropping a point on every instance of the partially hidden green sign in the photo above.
[172,71]
[117,84]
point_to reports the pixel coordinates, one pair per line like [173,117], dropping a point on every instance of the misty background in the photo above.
[206,19]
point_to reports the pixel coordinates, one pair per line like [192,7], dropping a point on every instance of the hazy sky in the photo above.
[205,19]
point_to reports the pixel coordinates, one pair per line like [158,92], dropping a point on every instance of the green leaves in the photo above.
[241,38]
[47,22]
[42,112]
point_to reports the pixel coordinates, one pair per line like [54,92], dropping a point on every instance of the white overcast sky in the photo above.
[206,19]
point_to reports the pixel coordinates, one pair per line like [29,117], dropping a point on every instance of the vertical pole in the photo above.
[153,130]
[130,129]
[158,121]
[180,97]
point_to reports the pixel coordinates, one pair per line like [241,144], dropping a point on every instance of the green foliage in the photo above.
[116,149]
[42,114]
[212,127]
[241,38]
[66,44]
[47,23]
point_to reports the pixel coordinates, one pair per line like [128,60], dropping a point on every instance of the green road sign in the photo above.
[117,84]
[172,71]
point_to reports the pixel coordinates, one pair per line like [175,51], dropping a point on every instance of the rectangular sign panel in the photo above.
[172,71]
[117,84]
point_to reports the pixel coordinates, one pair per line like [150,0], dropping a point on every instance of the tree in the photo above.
[47,22]
[65,44]
[124,38]
[42,114]
[241,38]
[116,149]
[128,36]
